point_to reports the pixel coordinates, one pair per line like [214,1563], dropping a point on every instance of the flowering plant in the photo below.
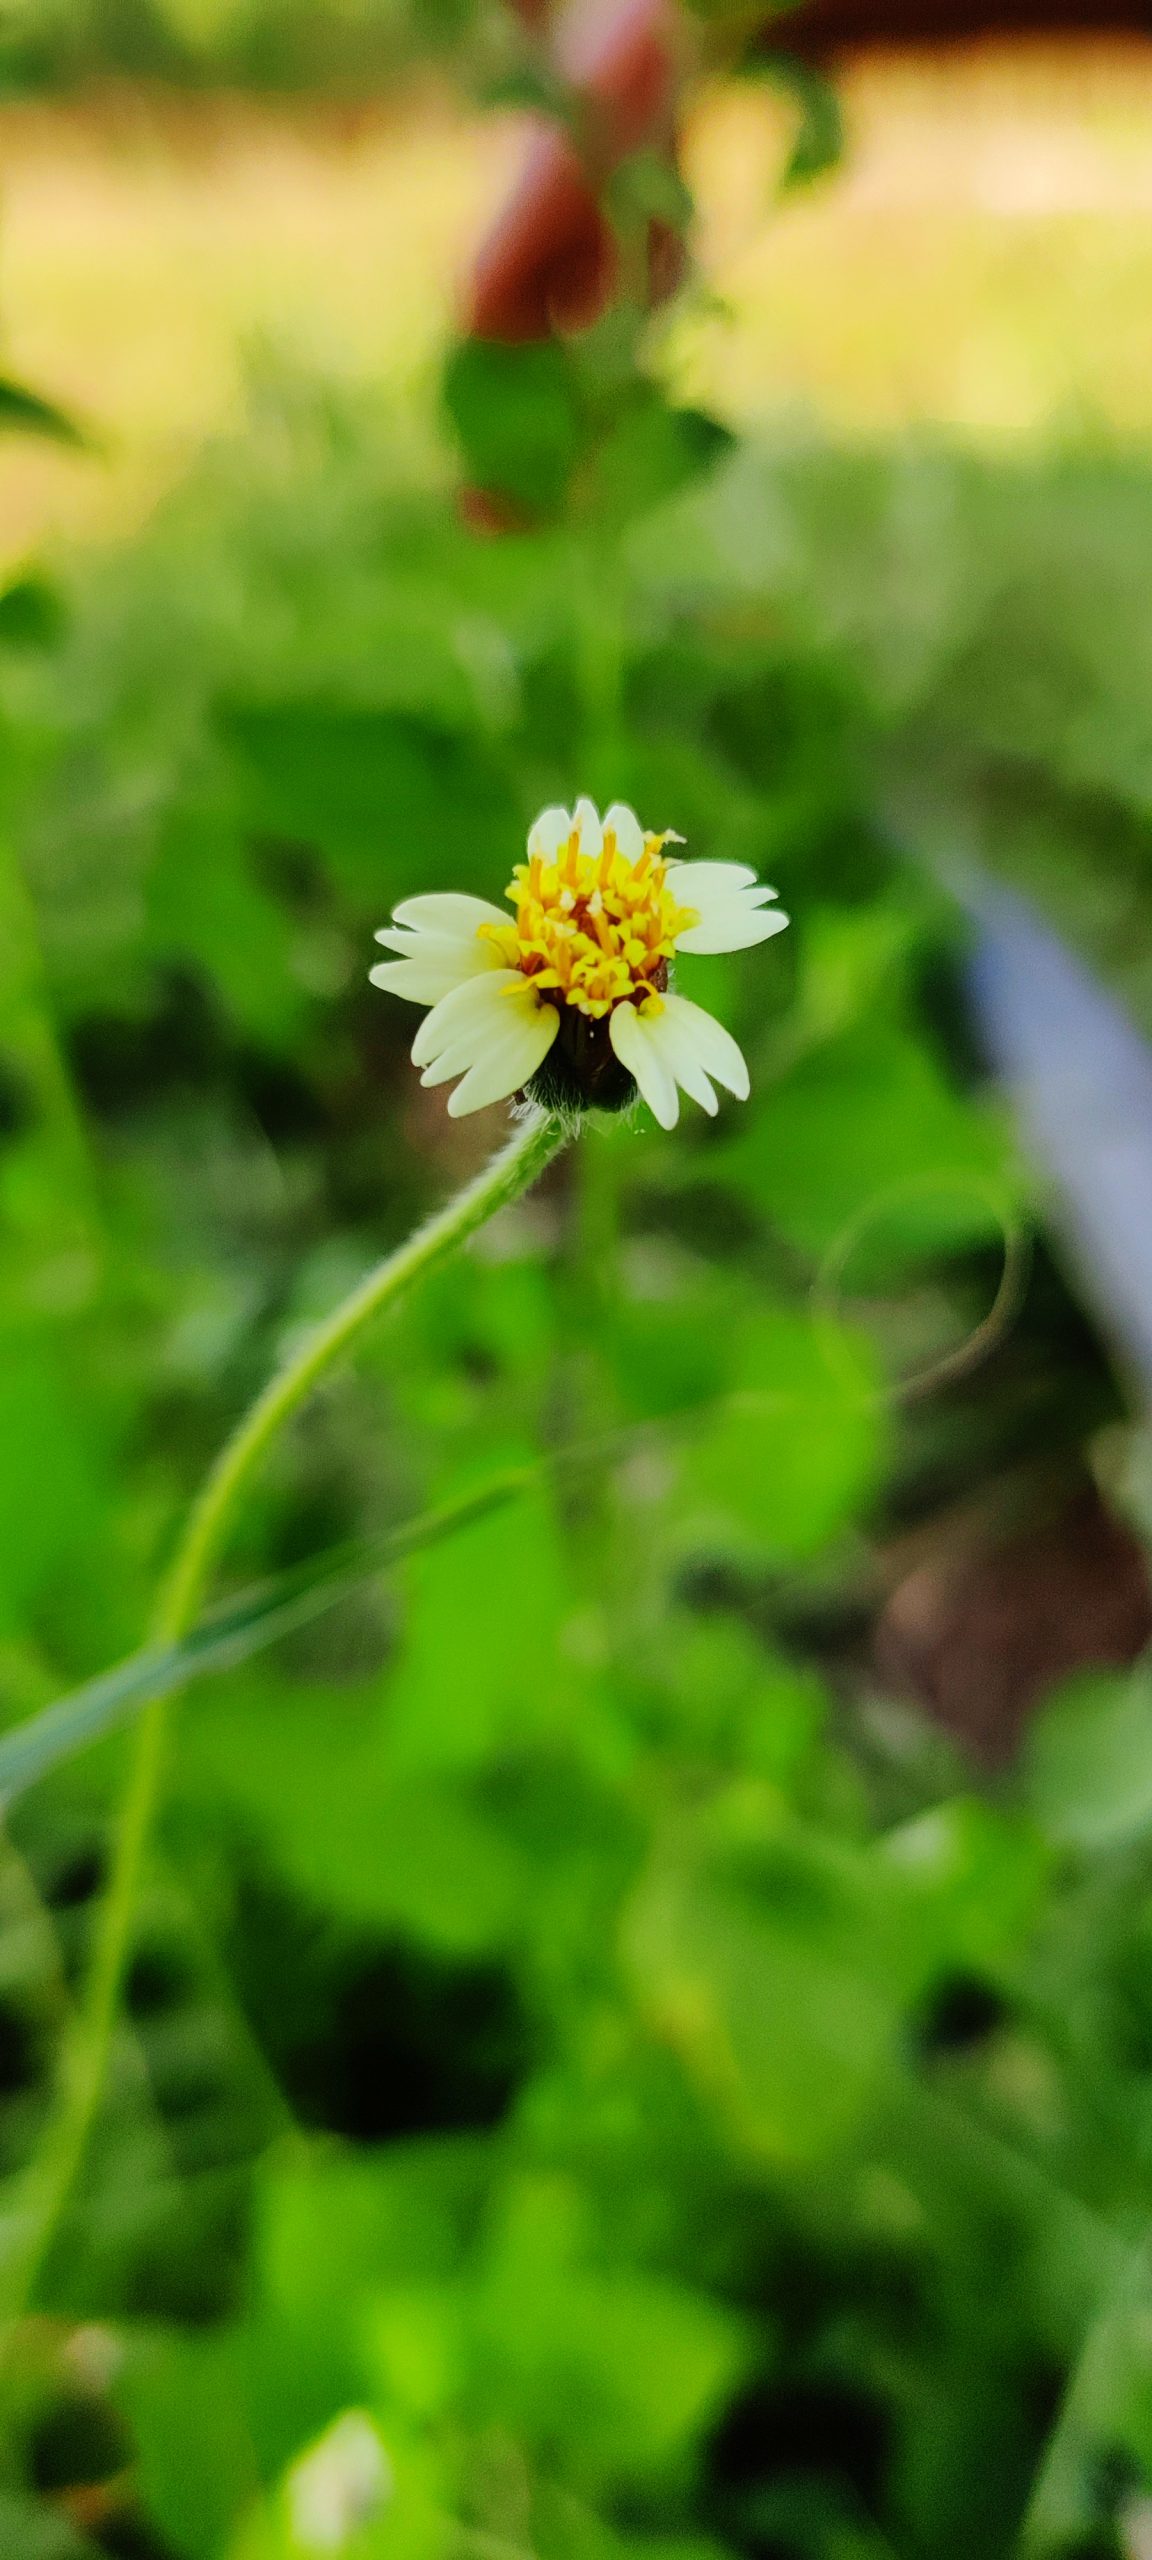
[570,998]
[567,1002]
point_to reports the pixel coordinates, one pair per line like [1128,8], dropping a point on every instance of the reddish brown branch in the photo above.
[549,261]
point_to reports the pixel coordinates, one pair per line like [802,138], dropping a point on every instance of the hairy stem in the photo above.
[54,2171]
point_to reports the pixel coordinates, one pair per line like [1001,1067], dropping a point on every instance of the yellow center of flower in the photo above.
[593,931]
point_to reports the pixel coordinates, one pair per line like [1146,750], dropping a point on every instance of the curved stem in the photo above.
[55,2169]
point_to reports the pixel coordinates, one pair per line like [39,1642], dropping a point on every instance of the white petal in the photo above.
[468,1033]
[448,912]
[695,1083]
[416,982]
[733,927]
[396,939]
[473,1000]
[697,882]
[691,1077]
[682,1062]
[632,1041]
[460,1054]
[623,823]
[586,816]
[438,951]
[548,832]
[509,1057]
[693,1034]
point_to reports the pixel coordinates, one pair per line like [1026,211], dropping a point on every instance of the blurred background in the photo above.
[638,2036]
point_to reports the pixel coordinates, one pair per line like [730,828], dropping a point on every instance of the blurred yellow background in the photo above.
[984,261]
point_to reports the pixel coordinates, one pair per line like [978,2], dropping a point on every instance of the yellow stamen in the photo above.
[597,931]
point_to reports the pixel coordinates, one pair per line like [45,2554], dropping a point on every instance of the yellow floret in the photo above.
[596,931]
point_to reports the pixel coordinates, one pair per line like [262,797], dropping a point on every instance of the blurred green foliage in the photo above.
[313,45]
[593,2079]
[353,49]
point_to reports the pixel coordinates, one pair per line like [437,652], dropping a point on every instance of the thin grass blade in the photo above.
[228,1635]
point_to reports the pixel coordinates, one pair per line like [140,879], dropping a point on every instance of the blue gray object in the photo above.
[1080,1075]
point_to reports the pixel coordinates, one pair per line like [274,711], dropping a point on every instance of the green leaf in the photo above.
[25,412]
[185,2397]
[517,413]
[394,801]
[536,89]
[29,2530]
[205,905]
[650,185]
[819,141]
[650,452]
[759,1952]
[618,2368]
[972,1882]
[33,614]
[472,1677]
[1087,1767]
[48,1217]
[51,1479]
[864,1142]
[793,1448]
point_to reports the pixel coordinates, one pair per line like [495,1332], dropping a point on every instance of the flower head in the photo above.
[339,2486]
[570,994]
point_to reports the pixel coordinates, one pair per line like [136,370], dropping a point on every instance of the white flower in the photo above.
[341,2484]
[572,994]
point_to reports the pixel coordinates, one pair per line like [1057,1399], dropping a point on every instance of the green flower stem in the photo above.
[54,2170]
